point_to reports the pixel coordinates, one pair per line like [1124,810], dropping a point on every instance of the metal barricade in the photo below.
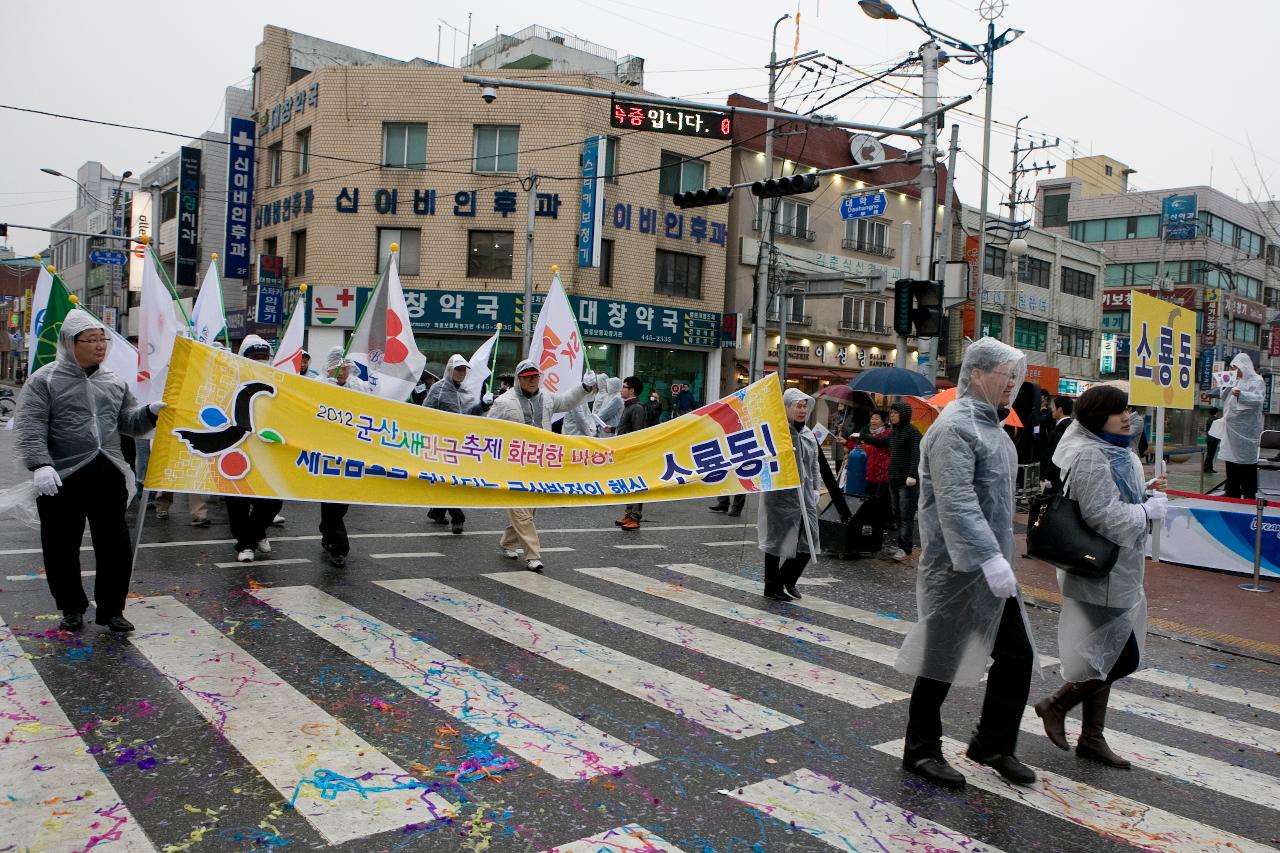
[1028,484]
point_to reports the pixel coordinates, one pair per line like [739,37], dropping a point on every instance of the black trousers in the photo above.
[97,493]
[1242,480]
[738,501]
[1210,452]
[1008,685]
[786,571]
[333,530]
[456,515]
[249,519]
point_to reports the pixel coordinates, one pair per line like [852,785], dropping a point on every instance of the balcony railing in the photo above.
[792,319]
[781,229]
[873,328]
[868,248]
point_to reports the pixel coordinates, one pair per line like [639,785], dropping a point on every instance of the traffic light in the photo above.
[704,197]
[792,185]
[917,308]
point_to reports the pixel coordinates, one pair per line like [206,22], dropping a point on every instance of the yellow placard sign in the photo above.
[237,427]
[1162,353]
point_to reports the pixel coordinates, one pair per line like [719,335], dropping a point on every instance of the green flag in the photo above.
[55,312]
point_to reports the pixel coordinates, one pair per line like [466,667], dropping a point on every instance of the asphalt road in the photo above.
[641,695]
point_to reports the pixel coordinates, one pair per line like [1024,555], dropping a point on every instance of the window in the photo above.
[410,240]
[1078,282]
[793,220]
[606,263]
[1030,334]
[1034,271]
[299,253]
[992,325]
[489,254]
[1119,228]
[1115,321]
[1055,210]
[496,147]
[1245,332]
[1107,170]
[404,146]
[1130,275]
[169,204]
[862,315]
[677,274]
[795,311]
[678,174]
[269,247]
[611,159]
[302,144]
[275,163]
[1077,343]
[1230,234]
[993,263]
[868,235]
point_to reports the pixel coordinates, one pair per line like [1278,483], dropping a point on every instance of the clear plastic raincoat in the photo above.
[788,518]
[608,404]
[968,466]
[1242,416]
[448,396]
[1098,615]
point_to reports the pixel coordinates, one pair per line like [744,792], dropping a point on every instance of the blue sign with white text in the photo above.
[270,304]
[108,257]
[236,258]
[589,225]
[1181,216]
[859,206]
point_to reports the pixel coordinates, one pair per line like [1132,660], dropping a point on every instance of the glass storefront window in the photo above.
[603,357]
[670,371]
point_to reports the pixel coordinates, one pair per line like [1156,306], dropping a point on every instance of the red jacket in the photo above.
[877,459]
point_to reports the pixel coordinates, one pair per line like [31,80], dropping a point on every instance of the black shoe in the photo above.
[792,591]
[117,624]
[735,512]
[1008,766]
[438,519]
[457,528]
[719,508]
[338,560]
[936,770]
[71,622]
[777,595]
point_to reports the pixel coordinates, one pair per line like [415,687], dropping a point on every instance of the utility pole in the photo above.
[900,359]
[1018,169]
[531,199]
[930,368]
[928,189]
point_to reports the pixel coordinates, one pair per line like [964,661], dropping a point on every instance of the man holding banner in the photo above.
[450,395]
[527,404]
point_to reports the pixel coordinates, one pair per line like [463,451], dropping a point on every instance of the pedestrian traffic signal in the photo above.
[704,197]
[793,185]
[917,308]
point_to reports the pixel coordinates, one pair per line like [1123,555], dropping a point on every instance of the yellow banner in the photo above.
[238,427]
[1162,353]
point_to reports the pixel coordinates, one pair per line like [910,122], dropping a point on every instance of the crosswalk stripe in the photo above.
[558,742]
[557,550]
[840,686]
[729,544]
[1109,815]
[406,555]
[794,628]
[1200,687]
[281,561]
[1209,773]
[637,547]
[846,818]
[338,782]
[40,575]
[631,838]
[56,797]
[697,702]
[1245,734]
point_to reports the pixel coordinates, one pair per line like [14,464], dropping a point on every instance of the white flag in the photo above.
[208,317]
[158,327]
[289,353]
[382,344]
[39,302]
[556,346]
[122,358]
[478,370]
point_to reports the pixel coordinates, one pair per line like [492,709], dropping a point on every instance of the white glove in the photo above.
[46,480]
[816,494]
[487,400]
[1045,485]
[588,381]
[155,408]
[999,575]
[1156,506]
[911,481]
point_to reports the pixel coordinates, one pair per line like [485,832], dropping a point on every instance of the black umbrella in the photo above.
[892,381]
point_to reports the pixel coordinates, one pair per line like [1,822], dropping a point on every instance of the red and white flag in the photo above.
[382,344]
[556,345]
[158,327]
[289,353]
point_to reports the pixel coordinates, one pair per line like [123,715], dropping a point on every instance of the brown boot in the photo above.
[1053,710]
[1092,744]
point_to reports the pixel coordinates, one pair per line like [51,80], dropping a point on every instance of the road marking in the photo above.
[561,744]
[631,838]
[1209,773]
[636,547]
[794,628]
[699,703]
[560,550]
[406,555]
[40,575]
[846,818]
[1200,687]
[1109,815]
[729,544]
[339,782]
[56,798]
[840,686]
[1202,722]
[280,561]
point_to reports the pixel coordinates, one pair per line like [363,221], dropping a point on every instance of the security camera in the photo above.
[489,94]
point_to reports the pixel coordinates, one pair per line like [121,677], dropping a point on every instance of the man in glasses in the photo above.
[69,421]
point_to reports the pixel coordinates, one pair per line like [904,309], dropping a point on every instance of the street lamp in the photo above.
[984,53]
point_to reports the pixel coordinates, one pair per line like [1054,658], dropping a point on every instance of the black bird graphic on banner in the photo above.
[211,442]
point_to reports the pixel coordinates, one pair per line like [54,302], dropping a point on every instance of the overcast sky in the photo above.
[1177,89]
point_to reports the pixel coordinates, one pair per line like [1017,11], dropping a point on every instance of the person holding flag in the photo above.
[450,395]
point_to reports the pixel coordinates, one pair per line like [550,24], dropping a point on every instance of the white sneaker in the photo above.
[245,556]
[510,553]
[277,521]
[534,566]
[898,555]
[265,546]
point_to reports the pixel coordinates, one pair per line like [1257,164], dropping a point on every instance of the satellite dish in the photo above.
[865,149]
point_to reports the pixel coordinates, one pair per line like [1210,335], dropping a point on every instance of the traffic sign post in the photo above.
[860,206]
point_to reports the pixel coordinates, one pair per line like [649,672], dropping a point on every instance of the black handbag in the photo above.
[1058,534]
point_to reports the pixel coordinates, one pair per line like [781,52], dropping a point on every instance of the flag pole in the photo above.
[493,358]
[164,276]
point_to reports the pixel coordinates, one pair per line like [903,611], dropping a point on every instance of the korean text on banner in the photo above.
[1162,364]
[238,427]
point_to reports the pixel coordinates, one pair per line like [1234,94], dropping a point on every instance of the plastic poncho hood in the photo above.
[334,359]
[77,320]
[608,404]
[455,361]
[1242,415]
[988,355]
[788,518]
[253,342]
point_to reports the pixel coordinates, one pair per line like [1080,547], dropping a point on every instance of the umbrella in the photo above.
[893,381]
[923,412]
[945,398]
[839,393]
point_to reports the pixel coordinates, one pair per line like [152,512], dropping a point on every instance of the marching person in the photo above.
[731,507]
[1242,428]
[249,518]
[966,591]
[787,523]
[1103,625]
[69,421]
[448,395]
[527,403]
[608,405]
[579,420]
[633,420]
[338,371]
